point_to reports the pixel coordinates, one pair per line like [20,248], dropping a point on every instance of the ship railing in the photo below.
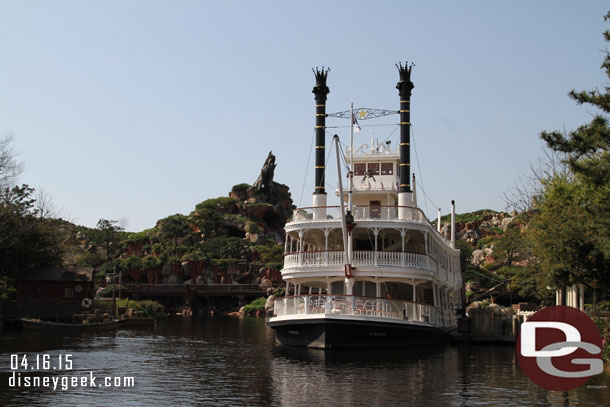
[350,305]
[360,212]
[324,258]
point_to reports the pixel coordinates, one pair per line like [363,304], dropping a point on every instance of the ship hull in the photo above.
[329,333]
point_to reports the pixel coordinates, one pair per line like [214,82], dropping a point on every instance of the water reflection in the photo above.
[231,361]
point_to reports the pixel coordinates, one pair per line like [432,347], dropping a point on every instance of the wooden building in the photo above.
[72,284]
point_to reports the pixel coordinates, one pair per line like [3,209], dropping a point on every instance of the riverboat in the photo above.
[372,271]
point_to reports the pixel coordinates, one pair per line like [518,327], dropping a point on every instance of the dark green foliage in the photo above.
[7,288]
[88,259]
[256,305]
[272,254]
[253,228]
[99,276]
[25,239]
[511,245]
[468,216]
[570,234]
[240,188]
[226,247]
[150,309]
[173,228]
[139,237]
[195,254]
[109,236]
[150,263]
[132,263]
[222,204]
[564,236]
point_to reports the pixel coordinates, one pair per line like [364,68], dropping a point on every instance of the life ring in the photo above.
[86,302]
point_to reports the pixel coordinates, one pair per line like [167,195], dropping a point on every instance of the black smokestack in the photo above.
[405,86]
[320,91]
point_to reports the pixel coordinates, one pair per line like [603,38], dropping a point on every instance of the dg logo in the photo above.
[560,348]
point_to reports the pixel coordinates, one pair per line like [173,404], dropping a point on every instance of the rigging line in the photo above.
[342,156]
[390,135]
[426,195]
[326,164]
[484,276]
[313,136]
[362,125]
[419,169]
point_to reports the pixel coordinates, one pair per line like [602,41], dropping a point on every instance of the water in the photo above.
[235,362]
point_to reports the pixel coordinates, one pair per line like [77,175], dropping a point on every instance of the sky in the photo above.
[137,110]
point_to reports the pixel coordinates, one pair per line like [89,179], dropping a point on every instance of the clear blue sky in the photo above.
[136,110]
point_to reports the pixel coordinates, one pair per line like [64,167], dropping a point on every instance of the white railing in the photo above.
[348,305]
[360,258]
[360,212]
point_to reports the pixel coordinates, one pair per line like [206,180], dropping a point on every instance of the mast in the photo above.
[346,251]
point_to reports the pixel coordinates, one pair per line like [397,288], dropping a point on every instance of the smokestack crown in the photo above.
[320,90]
[404,85]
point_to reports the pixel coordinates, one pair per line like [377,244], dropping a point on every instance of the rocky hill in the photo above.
[233,239]
[495,252]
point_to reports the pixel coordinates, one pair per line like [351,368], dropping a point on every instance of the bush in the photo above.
[253,228]
[240,188]
[99,276]
[150,309]
[603,324]
[7,288]
[256,305]
[106,292]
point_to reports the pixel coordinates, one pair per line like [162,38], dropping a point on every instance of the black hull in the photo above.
[335,333]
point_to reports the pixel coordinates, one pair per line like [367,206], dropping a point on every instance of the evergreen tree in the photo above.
[571,233]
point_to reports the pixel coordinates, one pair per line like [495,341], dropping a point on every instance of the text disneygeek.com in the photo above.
[68,382]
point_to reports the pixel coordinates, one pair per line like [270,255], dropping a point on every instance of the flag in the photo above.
[355,123]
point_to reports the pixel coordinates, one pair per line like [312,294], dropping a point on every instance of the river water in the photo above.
[227,361]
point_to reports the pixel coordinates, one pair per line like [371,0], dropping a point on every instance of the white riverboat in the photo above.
[372,271]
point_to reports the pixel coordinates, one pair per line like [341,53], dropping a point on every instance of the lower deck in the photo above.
[351,309]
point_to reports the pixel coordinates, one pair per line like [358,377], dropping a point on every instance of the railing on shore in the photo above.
[360,212]
[350,305]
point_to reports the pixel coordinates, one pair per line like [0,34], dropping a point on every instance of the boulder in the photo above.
[478,257]
[269,304]
[505,223]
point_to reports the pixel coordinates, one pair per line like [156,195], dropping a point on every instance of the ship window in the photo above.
[359,169]
[374,168]
[387,168]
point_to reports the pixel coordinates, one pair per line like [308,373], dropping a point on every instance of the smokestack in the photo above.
[320,91]
[404,86]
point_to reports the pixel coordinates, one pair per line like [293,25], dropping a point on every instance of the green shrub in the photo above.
[99,276]
[253,228]
[256,305]
[150,309]
[240,188]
